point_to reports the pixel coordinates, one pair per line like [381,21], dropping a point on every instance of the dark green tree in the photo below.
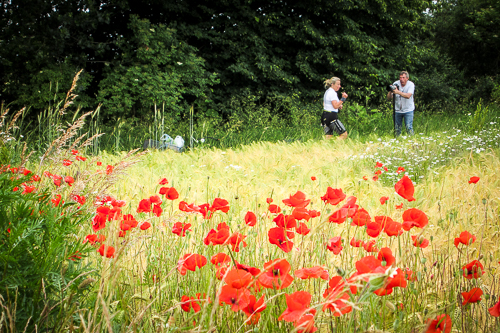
[468,31]
[154,67]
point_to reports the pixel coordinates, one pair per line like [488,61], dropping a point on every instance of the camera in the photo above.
[392,87]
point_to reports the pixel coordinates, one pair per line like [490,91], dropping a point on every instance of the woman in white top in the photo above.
[331,106]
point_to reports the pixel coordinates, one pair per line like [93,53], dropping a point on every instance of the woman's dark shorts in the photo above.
[326,119]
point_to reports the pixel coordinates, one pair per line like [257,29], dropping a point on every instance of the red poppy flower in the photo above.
[279,236]
[219,204]
[36,178]
[145,226]
[495,310]
[297,200]
[404,187]
[400,169]
[237,298]
[163,181]
[144,206]
[302,229]
[335,245]
[219,258]
[67,162]
[107,251]
[383,200]
[465,238]
[370,246]
[473,180]
[274,209]
[253,310]
[375,178]
[361,218]
[350,208]
[336,300]
[69,180]
[378,172]
[398,280]
[238,278]
[385,254]
[400,206]
[188,303]
[337,285]
[189,262]
[250,219]
[78,198]
[99,222]
[301,214]
[472,296]
[313,178]
[420,242]
[333,196]
[313,272]
[414,217]
[81,158]
[338,216]
[74,151]
[128,218]
[373,229]
[180,228]
[235,240]
[252,270]
[157,210]
[99,163]
[170,193]
[393,228]
[369,264]
[378,165]
[109,169]
[183,206]
[92,239]
[285,221]
[217,237]
[442,324]
[28,189]
[276,275]
[356,243]
[473,270]
[365,178]
[297,305]
[269,200]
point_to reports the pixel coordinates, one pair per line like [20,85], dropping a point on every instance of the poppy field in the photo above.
[299,237]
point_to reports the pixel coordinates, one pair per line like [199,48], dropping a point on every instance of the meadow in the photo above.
[370,234]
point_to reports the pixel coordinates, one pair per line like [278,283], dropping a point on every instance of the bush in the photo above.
[40,252]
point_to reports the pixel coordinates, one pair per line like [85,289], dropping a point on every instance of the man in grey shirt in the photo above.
[404,103]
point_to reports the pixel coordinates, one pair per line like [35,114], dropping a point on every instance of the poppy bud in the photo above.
[85,283]
[420,239]
[480,257]
[432,276]
[423,260]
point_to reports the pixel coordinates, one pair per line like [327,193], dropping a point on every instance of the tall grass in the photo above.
[140,288]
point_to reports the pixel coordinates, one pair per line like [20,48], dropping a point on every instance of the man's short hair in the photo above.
[405,73]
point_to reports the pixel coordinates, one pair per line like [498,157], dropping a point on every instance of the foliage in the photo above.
[154,68]
[479,118]
[469,32]
[40,254]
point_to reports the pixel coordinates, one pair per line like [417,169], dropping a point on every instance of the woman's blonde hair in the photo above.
[331,81]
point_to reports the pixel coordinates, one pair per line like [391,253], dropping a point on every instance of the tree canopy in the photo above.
[181,52]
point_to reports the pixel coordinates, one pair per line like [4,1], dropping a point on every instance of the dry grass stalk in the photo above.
[70,97]
[61,141]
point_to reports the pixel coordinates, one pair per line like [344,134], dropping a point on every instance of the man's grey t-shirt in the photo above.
[404,105]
